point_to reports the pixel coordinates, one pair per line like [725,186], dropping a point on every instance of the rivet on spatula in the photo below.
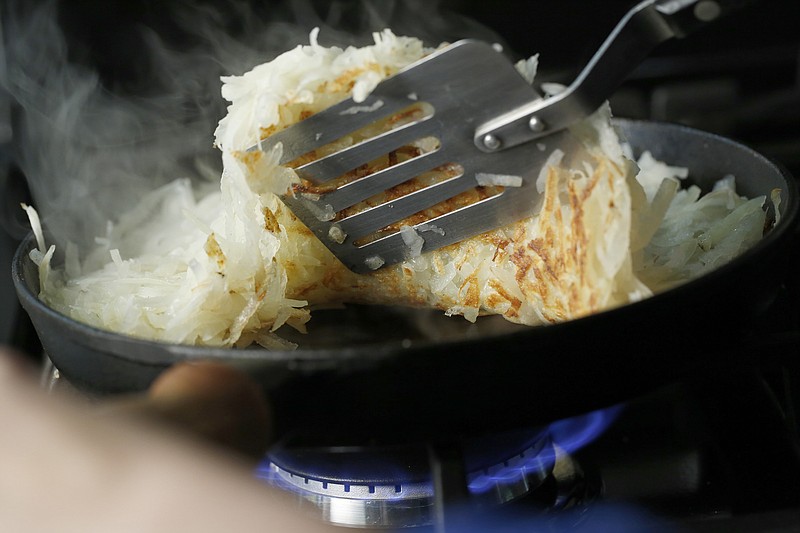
[491,142]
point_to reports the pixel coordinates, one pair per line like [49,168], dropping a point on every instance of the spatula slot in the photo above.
[418,148]
[429,226]
[444,190]
[359,147]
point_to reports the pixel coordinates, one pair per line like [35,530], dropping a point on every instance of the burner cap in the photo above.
[392,486]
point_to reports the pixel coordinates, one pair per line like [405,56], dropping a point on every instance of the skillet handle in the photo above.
[644,27]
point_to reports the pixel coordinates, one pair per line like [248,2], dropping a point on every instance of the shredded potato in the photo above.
[231,268]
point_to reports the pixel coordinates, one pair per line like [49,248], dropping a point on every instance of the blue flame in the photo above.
[572,434]
[509,473]
[569,435]
[264,471]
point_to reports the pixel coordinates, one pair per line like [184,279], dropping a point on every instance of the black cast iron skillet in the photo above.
[401,374]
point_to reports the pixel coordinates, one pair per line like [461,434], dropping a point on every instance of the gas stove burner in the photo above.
[356,505]
[365,484]
[392,486]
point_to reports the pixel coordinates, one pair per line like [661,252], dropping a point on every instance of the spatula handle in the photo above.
[685,16]
[645,26]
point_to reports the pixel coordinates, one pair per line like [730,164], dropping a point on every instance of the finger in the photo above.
[213,401]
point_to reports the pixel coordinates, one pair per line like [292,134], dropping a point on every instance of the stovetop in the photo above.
[718,451]
[713,452]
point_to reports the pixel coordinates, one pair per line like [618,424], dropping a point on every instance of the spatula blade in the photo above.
[465,84]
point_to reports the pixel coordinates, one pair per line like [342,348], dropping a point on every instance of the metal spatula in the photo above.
[482,115]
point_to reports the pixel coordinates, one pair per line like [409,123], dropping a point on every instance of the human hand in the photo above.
[70,467]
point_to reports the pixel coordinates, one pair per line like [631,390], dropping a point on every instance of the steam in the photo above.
[91,147]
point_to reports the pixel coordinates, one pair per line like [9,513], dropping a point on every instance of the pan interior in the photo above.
[708,158]
[360,325]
